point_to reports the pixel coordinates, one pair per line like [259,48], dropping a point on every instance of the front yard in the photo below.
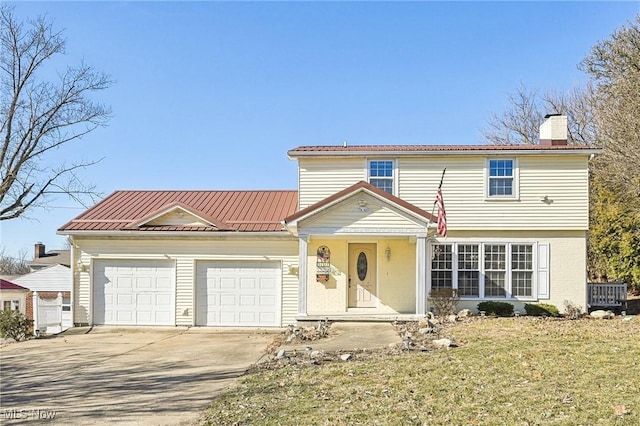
[521,371]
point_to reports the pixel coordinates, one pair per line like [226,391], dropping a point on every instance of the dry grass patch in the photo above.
[522,371]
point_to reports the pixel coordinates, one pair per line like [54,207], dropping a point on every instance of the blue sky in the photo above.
[211,95]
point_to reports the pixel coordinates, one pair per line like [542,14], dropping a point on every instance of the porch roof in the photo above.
[361,186]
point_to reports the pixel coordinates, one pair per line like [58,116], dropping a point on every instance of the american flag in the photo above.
[442,214]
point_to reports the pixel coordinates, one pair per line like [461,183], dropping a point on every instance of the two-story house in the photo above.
[357,239]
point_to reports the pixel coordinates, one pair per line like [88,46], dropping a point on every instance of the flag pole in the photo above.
[433,209]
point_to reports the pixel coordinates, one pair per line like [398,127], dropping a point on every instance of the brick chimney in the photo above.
[553,131]
[39,251]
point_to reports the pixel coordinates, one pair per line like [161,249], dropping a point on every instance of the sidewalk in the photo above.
[348,336]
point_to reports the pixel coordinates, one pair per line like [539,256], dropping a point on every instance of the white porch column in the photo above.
[34,309]
[421,275]
[59,310]
[303,241]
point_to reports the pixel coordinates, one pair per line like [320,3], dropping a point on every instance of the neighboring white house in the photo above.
[47,285]
[358,238]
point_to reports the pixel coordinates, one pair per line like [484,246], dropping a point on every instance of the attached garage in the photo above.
[238,293]
[133,292]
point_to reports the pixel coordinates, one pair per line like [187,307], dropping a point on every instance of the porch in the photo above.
[362,256]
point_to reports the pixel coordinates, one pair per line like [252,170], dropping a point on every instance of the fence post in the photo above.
[59,310]
[35,312]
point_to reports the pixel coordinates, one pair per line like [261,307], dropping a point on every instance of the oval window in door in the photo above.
[362,266]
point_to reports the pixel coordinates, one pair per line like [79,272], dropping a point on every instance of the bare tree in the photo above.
[614,66]
[38,116]
[18,265]
[520,122]
[606,114]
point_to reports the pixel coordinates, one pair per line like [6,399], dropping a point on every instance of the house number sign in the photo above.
[323,264]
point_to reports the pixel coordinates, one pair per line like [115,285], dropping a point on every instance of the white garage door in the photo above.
[128,292]
[238,293]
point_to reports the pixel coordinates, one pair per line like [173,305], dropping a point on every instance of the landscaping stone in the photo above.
[345,357]
[452,318]
[442,343]
[426,330]
[465,313]
[316,354]
[601,314]
[282,354]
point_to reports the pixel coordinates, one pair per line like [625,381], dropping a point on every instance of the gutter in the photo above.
[487,152]
[215,235]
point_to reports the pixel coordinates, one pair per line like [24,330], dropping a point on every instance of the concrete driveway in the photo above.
[145,376]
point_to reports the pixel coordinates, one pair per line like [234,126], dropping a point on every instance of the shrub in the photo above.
[444,301]
[541,310]
[14,325]
[572,311]
[501,309]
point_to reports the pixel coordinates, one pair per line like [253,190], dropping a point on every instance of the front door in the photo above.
[362,276]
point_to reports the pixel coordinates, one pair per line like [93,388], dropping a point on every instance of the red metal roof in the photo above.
[336,149]
[8,285]
[246,211]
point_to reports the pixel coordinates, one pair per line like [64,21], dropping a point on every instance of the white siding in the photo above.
[290,288]
[185,252]
[81,295]
[320,178]
[53,278]
[184,290]
[563,179]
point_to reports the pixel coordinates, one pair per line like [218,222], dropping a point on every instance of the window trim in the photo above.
[509,297]
[394,173]
[515,196]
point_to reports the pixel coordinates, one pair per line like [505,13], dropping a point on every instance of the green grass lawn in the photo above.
[511,371]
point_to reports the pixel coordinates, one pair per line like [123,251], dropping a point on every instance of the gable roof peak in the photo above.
[177,205]
[361,186]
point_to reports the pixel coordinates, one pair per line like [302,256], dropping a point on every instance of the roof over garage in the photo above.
[212,211]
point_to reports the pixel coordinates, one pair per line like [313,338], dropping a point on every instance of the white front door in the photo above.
[133,292]
[362,276]
[238,293]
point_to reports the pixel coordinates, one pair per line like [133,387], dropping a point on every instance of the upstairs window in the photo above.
[381,174]
[501,182]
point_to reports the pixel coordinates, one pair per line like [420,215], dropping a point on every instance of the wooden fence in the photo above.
[607,295]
